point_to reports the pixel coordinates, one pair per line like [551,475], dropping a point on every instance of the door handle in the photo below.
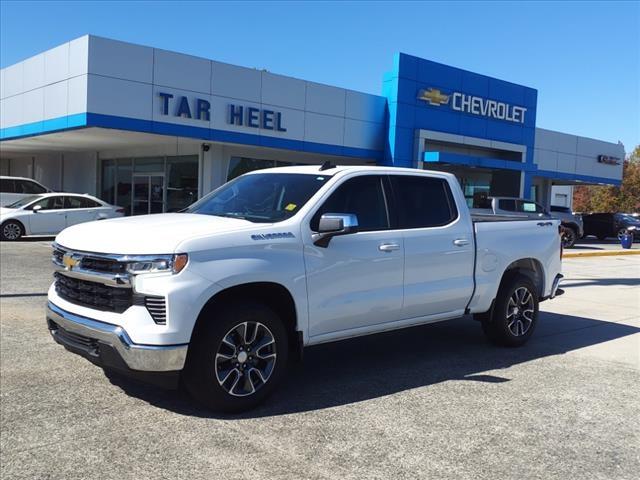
[460,242]
[545,224]
[388,247]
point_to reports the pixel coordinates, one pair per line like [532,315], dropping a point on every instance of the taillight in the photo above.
[120,210]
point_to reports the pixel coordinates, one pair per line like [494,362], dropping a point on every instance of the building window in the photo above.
[163,184]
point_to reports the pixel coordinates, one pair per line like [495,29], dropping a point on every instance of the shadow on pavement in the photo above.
[370,367]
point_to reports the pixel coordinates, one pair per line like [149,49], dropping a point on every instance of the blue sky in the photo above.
[584,58]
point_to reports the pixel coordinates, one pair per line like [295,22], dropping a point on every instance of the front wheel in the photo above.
[11,230]
[237,357]
[515,313]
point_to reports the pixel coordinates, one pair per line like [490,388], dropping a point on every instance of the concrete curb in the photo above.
[601,253]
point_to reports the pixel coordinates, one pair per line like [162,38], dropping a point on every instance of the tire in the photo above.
[507,327]
[237,357]
[11,231]
[620,233]
[569,237]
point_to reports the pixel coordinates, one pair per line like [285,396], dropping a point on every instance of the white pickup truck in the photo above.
[222,294]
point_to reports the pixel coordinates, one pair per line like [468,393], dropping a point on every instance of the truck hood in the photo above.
[147,234]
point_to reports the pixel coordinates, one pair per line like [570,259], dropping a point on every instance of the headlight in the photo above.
[157,264]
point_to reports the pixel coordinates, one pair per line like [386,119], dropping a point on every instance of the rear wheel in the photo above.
[237,357]
[11,230]
[568,236]
[515,313]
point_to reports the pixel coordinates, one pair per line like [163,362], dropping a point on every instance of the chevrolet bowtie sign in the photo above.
[461,102]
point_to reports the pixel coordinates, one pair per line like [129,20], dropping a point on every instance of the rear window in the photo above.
[7,185]
[507,204]
[423,201]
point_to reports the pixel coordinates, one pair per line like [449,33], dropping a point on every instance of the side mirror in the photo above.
[332,225]
[37,208]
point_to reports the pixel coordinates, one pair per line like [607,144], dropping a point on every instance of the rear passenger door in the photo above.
[438,246]
[79,210]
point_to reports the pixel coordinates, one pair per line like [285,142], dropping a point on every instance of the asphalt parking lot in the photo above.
[429,402]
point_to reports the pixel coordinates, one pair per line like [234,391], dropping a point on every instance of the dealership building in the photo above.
[152,130]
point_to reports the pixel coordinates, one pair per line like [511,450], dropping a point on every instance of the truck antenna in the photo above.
[327,165]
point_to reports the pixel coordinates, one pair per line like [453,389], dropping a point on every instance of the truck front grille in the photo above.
[92,294]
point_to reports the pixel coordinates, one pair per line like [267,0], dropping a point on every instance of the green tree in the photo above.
[625,198]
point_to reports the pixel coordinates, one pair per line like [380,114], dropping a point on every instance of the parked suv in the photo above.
[603,225]
[572,223]
[13,189]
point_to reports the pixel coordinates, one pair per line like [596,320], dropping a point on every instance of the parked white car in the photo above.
[13,189]
[280,259]
[50,213]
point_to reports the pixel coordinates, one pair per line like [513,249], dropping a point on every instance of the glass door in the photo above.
[148,194]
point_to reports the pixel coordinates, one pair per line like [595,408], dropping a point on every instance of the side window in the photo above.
[529,207]
[73,202]
[50,203]
[507,204]
[25,186]
[7,185]
[423,201]
[362,196]
[88,203]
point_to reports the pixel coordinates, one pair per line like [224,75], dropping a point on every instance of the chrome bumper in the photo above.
[85,337]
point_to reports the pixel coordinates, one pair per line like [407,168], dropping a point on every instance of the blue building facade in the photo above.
[96,115]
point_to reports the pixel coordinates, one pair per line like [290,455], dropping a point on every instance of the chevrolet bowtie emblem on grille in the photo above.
[69,262]
[433,96]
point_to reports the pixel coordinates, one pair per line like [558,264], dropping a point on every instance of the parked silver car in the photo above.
[50,213]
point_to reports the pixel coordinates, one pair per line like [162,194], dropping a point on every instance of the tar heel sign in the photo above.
[484,107]
[181,106]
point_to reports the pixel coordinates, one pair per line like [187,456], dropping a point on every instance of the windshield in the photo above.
[263,197]
[24,201]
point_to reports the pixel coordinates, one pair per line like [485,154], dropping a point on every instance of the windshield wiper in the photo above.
[230,215]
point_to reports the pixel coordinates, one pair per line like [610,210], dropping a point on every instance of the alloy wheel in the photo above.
[520,311]
[568,237]
[621,232]
[245,359]
[11,231]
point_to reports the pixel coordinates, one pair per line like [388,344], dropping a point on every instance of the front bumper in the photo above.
[110,347]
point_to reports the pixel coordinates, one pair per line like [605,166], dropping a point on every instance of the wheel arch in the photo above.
[274,295]
[529,267]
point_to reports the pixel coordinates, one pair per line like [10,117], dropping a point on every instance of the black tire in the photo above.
[569,236]
[207,362]
[500,324]
[11,231]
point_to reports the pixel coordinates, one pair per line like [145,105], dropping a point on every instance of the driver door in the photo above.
[357,280]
